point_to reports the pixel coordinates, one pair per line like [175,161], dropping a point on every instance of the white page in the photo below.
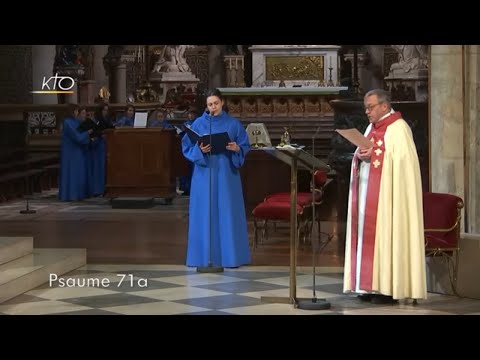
[140,120]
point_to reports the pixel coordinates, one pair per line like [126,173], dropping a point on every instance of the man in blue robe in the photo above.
[218,233]
[73,184]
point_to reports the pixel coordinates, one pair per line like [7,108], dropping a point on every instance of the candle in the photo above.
[330,62]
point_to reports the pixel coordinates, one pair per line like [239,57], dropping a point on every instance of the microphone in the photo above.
[210,268]
[314,303]
[314,242]
[314,234]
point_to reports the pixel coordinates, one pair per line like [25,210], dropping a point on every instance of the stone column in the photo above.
[76,72]
[472,137]
[120,88]
[375,67]
[455,154]
[215,66]
[100,75]
[117,69]
[43,58]
[73,98]
[446,120]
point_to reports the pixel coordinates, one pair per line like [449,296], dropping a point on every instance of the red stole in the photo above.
[376,135]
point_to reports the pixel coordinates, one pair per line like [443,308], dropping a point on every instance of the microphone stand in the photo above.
[314,303]
[27,189]
[210,268]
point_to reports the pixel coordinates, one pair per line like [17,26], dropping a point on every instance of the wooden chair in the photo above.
[442,214]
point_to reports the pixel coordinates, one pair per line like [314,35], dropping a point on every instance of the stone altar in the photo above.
[295,65]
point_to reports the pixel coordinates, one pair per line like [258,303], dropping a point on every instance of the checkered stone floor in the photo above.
[178,290]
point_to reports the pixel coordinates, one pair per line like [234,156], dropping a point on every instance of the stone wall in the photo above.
[16,74]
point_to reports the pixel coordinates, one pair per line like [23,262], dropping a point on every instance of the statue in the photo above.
[173,59]
[67,55]
[104,94]
[411,57]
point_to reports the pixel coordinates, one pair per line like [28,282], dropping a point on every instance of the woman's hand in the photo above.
[205,148]
[233,146]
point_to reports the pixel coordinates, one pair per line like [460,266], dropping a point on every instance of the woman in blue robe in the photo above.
[73,182]
[127,120]
[97,152]
[228,245]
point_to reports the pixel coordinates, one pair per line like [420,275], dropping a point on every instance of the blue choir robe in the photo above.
[186,181]
[96,165]
[125,121]
[73,182]
[229,241]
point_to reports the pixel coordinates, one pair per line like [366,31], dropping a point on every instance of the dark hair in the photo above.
[214,92]
[71,108]
[98,111]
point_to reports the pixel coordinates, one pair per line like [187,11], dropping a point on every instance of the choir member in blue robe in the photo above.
[127,119]
[186,181]
[73,182]
[229,245]
[97,153]
[160,120]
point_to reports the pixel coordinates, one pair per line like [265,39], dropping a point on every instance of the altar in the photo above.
[295,65]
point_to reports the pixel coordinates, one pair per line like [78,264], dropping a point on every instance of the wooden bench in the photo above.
[18,184]
[50,178]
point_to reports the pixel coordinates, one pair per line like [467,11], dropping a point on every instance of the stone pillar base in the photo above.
[87,91]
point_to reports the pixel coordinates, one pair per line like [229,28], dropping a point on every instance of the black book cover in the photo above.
[88,124]
[219,140]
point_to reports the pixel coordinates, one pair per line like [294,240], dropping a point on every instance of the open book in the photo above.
[219,140]
[355,137]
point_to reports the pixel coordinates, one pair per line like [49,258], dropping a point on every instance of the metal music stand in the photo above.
[296,159]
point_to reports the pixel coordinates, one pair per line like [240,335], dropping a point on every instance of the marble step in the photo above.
[32,270]
[12,247]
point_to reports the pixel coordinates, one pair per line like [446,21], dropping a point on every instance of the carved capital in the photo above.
[111,62]
[74,71]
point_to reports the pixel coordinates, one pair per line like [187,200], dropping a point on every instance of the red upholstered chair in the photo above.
[320,178]
[275,211]
[276,207]
[442,214]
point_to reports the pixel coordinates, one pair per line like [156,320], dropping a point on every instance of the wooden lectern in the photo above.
[143,162]
[296,159]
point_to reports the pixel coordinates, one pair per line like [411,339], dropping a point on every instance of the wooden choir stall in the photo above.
[143,162]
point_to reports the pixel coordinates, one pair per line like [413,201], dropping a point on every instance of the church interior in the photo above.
[123,249]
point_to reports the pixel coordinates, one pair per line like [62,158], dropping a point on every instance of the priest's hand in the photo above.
[365,154]
[205,148]
[233,146]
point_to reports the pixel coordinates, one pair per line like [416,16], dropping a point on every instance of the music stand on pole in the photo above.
[295,158]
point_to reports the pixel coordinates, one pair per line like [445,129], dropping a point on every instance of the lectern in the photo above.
[296,159]
[143,162]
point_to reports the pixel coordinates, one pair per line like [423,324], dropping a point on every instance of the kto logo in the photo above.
[60,85]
